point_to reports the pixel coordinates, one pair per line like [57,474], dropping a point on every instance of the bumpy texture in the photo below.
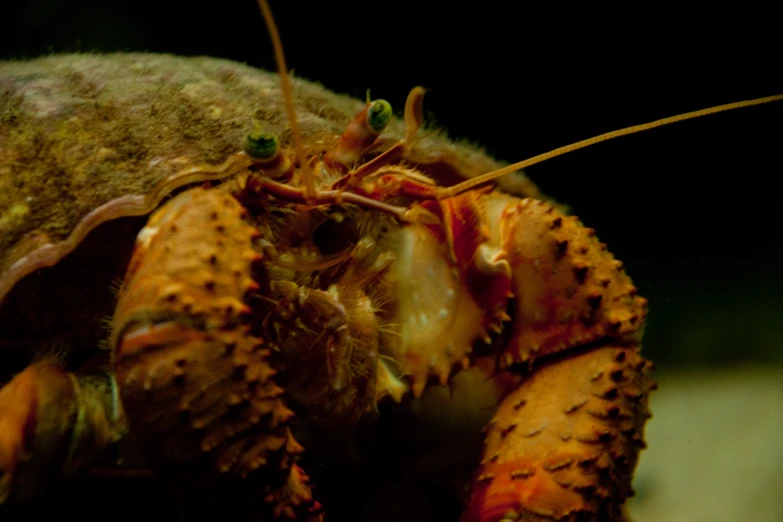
[196,385]
[78,131]
[86,139]
[564,445]
[570,290]
[233,295]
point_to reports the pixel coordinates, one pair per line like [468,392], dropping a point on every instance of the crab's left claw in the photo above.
[566,442]
[564,445]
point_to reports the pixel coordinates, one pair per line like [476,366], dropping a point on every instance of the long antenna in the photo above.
[489,176]
[288,100]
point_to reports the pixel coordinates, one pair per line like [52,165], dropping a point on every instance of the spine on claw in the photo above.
[564,445]
[197,387]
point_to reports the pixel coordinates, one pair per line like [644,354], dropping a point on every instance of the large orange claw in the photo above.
[568,289]
[197,387]
[564,445]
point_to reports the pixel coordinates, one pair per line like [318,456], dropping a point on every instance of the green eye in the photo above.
[260,145]
[379,115]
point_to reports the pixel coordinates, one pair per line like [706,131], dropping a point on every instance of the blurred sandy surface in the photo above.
[715,448]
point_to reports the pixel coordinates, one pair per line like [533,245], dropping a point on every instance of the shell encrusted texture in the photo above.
[78,131]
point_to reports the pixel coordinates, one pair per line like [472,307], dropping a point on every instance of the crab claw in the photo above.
[564,445]
[197,387]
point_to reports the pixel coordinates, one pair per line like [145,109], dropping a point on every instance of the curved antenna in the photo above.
[489,176]
[288,101]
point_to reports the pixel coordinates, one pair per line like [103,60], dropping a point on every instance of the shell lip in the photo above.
[49,253]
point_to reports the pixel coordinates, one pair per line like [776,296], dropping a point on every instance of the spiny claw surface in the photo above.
[564,445]
[570,290]
[196,385]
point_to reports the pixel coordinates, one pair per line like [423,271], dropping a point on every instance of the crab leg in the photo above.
[328,340]
[196,385]
[52,421]
[327,350]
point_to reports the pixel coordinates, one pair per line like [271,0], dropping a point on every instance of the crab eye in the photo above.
[379,115]
[260,145]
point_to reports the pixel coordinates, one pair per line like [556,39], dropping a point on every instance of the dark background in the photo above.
[691,208]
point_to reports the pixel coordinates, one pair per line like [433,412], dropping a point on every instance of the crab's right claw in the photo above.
[197,387]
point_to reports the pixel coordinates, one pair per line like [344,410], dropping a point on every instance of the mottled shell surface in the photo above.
[87,139]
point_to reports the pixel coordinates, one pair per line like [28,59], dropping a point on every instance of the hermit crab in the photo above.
[300,260]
